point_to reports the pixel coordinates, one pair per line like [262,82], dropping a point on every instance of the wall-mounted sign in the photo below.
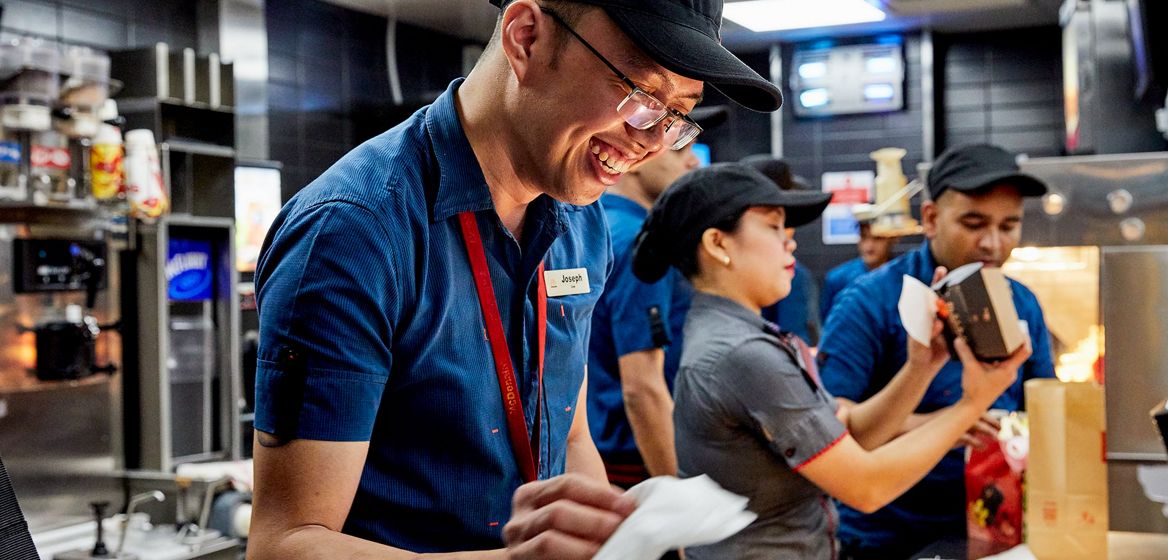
[848,188]
[189,274]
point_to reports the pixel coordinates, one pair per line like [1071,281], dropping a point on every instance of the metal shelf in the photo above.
[199,148]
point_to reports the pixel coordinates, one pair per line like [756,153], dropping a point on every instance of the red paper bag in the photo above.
[993,492]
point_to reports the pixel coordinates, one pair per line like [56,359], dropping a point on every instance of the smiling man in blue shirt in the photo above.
[425,303]
[974,215]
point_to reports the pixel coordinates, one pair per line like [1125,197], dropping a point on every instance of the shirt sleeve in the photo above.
[851,347]
[830,289]
[326,295]
[1041,361]
[634,308]
[792,415]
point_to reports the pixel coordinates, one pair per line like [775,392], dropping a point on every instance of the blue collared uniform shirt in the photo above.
[863,347]
[796,313]
[836,280]
[622,324]
[371,330]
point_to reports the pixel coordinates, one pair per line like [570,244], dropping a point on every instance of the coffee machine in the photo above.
[60,387]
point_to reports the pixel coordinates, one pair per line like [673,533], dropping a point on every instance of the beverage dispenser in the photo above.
[28,89]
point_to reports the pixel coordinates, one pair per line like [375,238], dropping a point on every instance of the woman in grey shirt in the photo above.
[749,409]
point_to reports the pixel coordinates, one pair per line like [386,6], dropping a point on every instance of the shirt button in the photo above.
[790,452]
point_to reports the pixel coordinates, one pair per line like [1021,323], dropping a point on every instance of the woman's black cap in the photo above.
[704,198]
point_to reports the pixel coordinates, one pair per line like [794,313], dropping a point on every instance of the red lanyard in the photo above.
[516,424]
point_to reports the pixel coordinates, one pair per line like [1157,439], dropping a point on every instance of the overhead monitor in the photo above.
[828,80]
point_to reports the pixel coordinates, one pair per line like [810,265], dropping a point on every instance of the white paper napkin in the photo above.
[918,307]
[675,513]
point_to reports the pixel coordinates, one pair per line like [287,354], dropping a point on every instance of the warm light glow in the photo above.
[778,15]
[1042,260]
[1078,363]
[26,351]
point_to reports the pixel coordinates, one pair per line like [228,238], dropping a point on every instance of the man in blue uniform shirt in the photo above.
[874,252]
[425,304]
[974,215]
[635,345]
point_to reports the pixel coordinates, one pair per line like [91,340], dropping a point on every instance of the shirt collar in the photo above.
[623,204]
[462,187]
[923,263]
[719,304]
[461,184]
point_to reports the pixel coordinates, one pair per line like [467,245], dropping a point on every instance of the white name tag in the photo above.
[567,282]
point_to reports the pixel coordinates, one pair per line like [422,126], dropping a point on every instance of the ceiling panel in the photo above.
[475,19]
[468,19]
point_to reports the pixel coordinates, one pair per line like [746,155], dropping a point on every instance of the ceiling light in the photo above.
[813,97]
[879,92]
[778,15]
[880,65]
[812,70]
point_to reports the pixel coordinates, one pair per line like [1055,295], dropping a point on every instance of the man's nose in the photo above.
[652,139]
[991,241]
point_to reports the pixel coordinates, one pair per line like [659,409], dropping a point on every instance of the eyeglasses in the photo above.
[639,109]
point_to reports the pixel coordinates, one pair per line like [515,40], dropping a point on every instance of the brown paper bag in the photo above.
[1066,478]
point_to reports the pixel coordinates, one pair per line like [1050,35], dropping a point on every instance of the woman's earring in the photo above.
[726,260]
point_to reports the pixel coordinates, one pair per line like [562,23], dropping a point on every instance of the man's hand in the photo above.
[566,517]
[983,383]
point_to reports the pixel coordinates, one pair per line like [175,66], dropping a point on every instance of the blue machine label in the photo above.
[188,270]
[9,152]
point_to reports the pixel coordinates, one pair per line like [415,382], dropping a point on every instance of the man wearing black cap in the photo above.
[974,214]
[874,252]
[795,313]
[425,304]
[636,330]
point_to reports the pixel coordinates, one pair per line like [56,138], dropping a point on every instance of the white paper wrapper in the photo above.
[674,513]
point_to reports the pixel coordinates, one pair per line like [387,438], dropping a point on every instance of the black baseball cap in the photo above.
[684,36]
[974,167]
[704,198]
[710,117]
[777,170]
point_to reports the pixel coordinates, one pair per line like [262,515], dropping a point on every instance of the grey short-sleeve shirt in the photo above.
[750,417]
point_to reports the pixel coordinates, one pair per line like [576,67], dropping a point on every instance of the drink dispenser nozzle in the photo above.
[99,548]
[92,268]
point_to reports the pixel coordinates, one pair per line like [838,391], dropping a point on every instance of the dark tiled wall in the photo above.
[104,24]
[745,132]
[814,146]
[328,82]
[1004,88]
[325,64]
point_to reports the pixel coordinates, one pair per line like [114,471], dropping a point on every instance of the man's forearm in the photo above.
[314,541]
[650,414]
[649,407]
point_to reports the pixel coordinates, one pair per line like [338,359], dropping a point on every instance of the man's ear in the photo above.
[523,30]
[929,214]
